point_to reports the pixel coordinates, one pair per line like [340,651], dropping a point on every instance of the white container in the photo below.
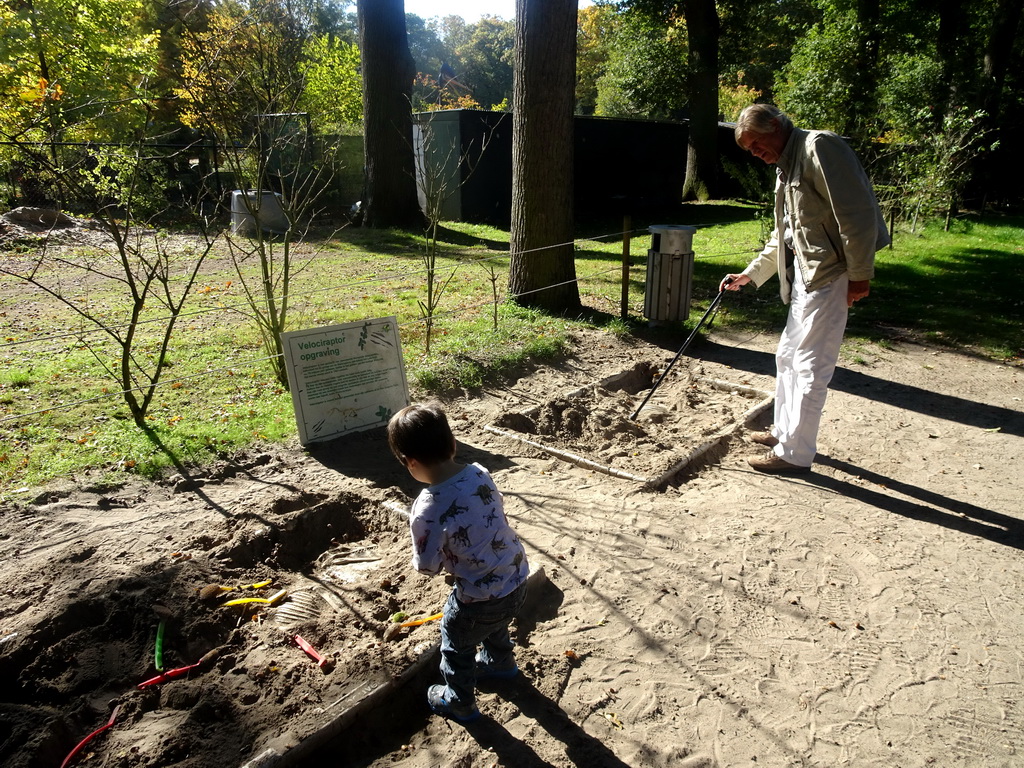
[672,239]
[252,206]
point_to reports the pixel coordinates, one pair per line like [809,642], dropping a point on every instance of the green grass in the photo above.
[60,415]
[954,288]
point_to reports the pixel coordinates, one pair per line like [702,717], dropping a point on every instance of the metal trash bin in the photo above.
[669,272]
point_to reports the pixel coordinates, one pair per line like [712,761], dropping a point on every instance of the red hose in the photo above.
[90,737]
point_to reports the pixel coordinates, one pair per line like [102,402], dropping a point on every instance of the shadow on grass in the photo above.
[465,240]
[952,295]
[385,242]
[609,229]
[693,214]
[964,299]
[604,226]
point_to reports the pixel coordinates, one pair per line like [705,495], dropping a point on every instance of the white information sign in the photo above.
[345,378]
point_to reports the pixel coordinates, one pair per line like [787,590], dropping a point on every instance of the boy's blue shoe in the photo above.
[439,699]
[490,671]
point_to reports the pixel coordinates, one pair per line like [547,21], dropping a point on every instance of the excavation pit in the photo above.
[331,570]
[687,421]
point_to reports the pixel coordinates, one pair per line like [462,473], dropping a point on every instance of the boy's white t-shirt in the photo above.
[460,525]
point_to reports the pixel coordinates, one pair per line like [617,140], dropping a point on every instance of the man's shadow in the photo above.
[924,505]
[581,748]
[948,407]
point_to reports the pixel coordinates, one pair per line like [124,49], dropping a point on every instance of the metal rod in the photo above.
[693,333]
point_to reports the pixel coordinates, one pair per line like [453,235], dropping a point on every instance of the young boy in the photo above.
[458,523]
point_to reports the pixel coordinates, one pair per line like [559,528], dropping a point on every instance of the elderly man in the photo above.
[828,227]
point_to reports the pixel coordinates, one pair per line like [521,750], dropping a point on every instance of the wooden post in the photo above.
[627,226]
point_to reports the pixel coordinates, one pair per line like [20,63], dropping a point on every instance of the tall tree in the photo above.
[388,74]
[696,76]
[951,51]
[645,75]
[542,270]
[246,70]
[236,63]
[425,45]
[486,61]
[594,32]
[758,38]
[999,53]
[333,95]
[863,96]
[702,29]
[815,85]
[73,69]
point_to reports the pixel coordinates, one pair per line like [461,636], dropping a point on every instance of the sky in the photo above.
[470,10]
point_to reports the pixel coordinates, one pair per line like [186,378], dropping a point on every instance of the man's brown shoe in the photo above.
[773,465]
[767,439]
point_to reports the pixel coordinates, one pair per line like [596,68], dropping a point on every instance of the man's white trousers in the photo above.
[805,361]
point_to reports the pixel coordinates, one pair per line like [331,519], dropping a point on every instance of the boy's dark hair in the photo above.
[421,432]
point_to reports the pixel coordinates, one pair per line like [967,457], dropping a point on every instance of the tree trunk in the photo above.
[702,147]
[864,87]
[999,53]
[952,53]
[388,73]
[542,271]
[990,173]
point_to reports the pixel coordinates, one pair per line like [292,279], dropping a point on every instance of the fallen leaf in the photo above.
[612,718]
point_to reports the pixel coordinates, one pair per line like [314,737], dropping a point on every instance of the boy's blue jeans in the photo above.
[468,625]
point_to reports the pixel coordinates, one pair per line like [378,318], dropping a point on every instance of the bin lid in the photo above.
[674,238]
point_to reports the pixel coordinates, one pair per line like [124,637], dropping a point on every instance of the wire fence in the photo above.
[18,353]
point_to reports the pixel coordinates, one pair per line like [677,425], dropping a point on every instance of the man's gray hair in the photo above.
[758,118]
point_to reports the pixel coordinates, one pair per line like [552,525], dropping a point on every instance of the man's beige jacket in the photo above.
[825,204]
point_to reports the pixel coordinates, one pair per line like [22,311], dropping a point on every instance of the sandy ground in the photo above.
[866,614]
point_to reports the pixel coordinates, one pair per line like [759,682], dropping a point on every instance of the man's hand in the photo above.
[733,282]
[857,290]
